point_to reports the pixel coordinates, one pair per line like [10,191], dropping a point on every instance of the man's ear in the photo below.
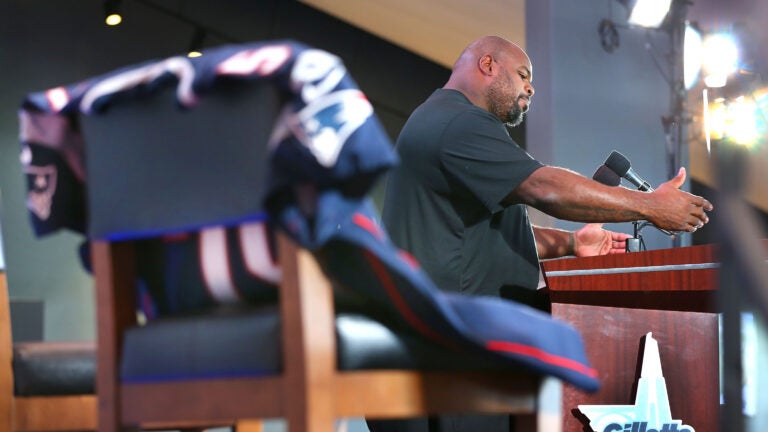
[485,64]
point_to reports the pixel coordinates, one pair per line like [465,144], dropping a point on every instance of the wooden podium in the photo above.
[615,300]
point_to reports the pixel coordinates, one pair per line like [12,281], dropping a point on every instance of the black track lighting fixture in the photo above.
[196,45]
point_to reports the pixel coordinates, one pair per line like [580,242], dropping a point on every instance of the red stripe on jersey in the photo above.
[539,354]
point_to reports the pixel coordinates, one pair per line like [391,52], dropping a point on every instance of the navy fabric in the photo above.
[326,150]
[172,273]
[244,341]
[326,132]
[357,255]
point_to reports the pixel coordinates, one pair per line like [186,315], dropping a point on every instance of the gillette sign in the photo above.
[650,413]
[643,427]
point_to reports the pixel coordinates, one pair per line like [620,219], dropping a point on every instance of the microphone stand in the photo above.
[634,244]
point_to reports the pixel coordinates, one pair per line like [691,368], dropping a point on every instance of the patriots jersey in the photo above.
[325,134]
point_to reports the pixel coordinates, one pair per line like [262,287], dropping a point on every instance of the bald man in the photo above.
[458,200]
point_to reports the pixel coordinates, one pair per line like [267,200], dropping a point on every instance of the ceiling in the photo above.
[435,29]
[440,29]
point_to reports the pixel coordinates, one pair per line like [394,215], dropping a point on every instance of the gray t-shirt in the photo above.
[443,202]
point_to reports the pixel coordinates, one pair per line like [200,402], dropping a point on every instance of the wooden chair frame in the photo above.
[36,413]
[310,393]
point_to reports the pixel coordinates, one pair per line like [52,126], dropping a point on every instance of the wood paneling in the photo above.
[615,300]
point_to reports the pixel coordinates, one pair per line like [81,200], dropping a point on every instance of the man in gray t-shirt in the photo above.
[457,201]
[444,203]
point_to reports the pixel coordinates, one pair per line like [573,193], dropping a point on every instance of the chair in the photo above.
[44,386]
[153,169]
[313,364]
[310,391]
[49,386]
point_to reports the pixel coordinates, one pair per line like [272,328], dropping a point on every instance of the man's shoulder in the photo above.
[451,98]
[453,105]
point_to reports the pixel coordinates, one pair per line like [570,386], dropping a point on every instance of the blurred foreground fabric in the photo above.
[312,166]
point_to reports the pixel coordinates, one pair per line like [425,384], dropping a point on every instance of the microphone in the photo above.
[606,176]
[619,164]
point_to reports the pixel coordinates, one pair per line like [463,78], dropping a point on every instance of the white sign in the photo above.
[650,413]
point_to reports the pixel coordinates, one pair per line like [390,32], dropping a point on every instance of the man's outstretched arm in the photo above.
[567,195]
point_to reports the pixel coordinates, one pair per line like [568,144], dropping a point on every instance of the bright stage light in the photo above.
[692,54]
[734,120]
[720,58]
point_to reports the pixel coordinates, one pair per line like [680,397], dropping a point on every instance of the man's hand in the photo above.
[678,210]
[593,240]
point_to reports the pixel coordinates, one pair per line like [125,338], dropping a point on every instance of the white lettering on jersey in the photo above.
[261,61]
[325,124]
[315,74]
[58,98]
[214,262]
[179,66]
[254,245]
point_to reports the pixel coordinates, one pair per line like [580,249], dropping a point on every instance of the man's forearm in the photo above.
[571,196]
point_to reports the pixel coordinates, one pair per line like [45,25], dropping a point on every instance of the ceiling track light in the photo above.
[112,15]
[647,13]
[196,45]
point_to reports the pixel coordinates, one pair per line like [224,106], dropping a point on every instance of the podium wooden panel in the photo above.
[615,300]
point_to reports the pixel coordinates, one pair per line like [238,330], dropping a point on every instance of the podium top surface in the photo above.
[677,278]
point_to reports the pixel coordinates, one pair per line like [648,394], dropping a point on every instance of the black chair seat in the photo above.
[238,341]
[54,368]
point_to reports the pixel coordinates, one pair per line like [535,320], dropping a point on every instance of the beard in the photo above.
[510,117]
[515,115]
[497,102]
